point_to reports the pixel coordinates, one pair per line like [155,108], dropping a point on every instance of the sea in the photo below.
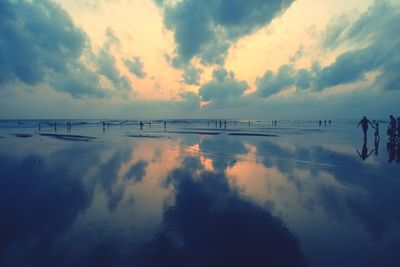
[204,192]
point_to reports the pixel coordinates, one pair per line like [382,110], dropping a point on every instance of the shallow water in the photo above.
[121,196]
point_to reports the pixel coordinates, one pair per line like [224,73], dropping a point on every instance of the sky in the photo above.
[156,59]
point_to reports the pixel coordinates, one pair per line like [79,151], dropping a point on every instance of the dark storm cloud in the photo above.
[377,28]
[348,67]
[222,88]
[135,66]
[39,43]
[207,28]
[35,38]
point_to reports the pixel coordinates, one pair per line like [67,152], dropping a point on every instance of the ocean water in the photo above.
[197,194]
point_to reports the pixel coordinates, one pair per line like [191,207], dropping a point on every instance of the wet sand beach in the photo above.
[191,195]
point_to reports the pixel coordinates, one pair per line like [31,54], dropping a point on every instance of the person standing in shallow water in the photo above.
[391,131]
[364,123]
[398,129]
[375,125]
[377,138]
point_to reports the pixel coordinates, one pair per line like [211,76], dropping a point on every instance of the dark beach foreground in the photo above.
[193,194]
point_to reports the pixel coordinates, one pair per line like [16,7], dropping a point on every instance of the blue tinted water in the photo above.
[180,196]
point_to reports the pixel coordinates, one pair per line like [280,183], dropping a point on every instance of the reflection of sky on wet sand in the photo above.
[196,201]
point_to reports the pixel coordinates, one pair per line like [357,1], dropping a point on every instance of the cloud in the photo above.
[378,32]
[286,76]
[191,75]
[222,88]
[379,35]
[40,44]
[298,54]
[135,66]
[272,83]
[206,29]
[106,63]
[189,102]
[348,67]
[79,82]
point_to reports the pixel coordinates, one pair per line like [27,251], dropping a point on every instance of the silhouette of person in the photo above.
[224,124]
[325,123]
[320,122]
[216,124]
[398,129]
[375,125]
[391,147]
[165,124]
[220,124]
[364,123]
[398,153]
[376,143]
[391,131]
[364,152]
[377,137]
[55,126]
[208,123]
[329,122]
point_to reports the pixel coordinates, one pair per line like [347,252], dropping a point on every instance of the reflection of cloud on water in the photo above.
[38,202]
[211,225]
[317,180]
[222,150]
[316,189]
[114,198]
[207,163]
[290,192]
[53,204]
